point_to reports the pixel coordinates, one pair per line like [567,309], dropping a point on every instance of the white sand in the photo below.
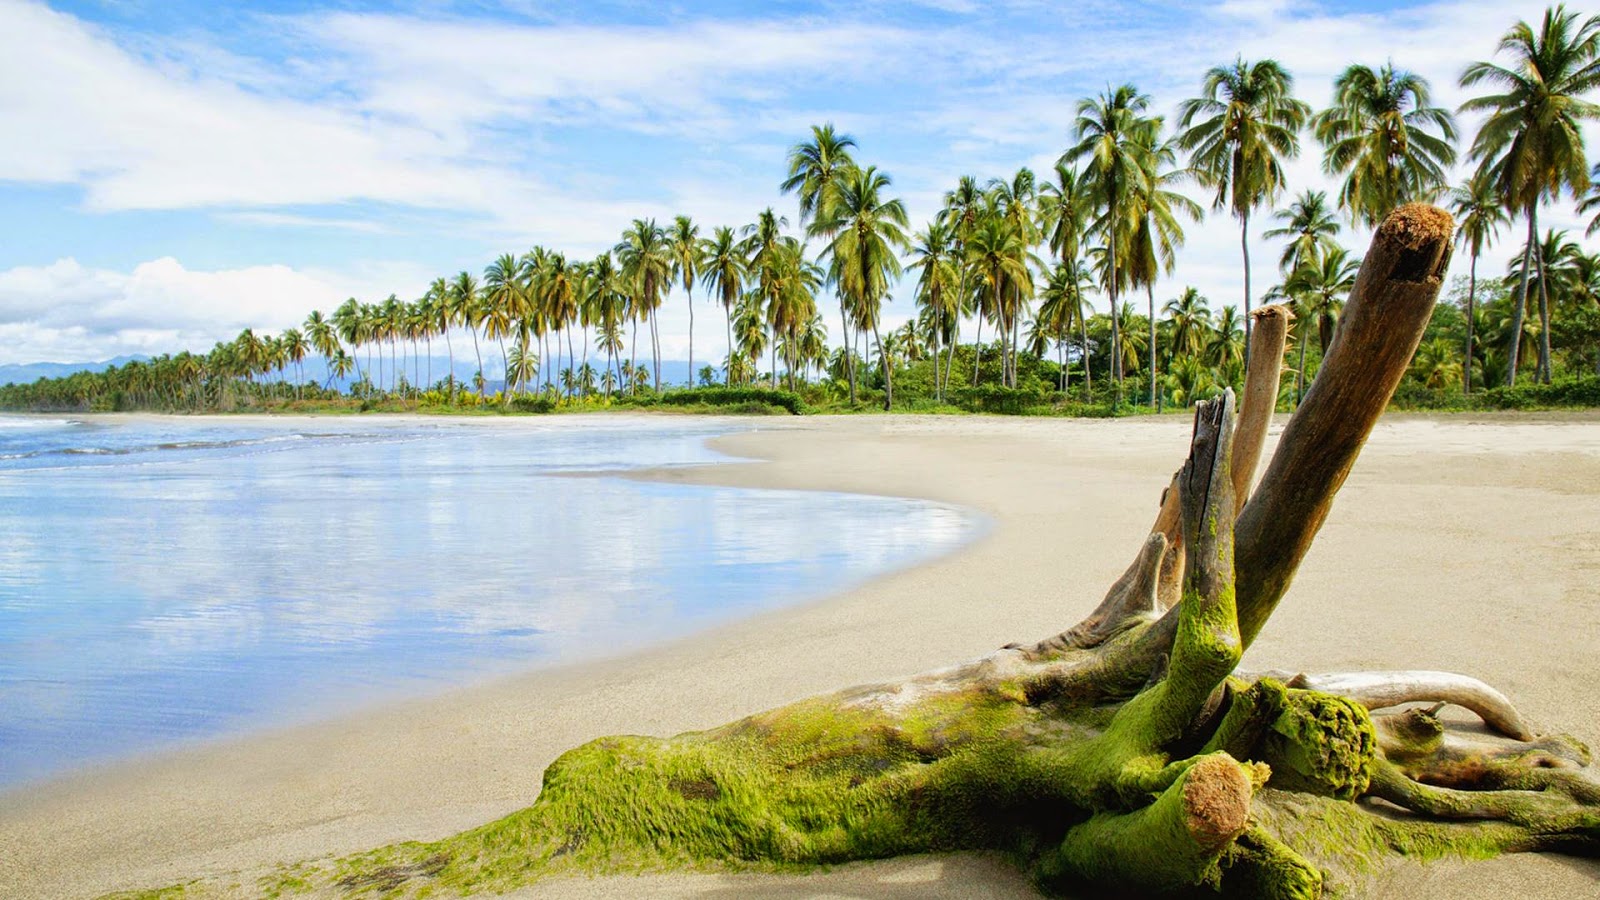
[1469,544]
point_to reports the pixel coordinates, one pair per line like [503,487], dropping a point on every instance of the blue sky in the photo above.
[174,170]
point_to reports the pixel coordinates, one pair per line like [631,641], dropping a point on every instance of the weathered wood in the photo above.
[1267,340]
[1377,335]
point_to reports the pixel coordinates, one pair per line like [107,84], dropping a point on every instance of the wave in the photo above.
[201,445]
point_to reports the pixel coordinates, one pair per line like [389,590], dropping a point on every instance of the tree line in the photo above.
[1020,256]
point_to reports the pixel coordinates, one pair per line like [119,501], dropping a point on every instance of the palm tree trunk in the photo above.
[505,371]
[1244,247]
[1150,293]
[655,350]
[429,339]
[849,349]
[938,394]
[1522,299]
[727,369]
[633,354]
[690,292]
[575,366]
[451,377]
[888,370]
[1083,337]
[476,352]
[977,348]
[1544,319]
[1472,293]
[1300,381]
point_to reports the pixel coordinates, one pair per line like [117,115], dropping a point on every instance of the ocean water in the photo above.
[165,581]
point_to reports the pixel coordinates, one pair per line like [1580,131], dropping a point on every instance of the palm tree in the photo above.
[1190,315]
[647,265]
[464,310]
[937,286]
[868,229]
[324,339]
[1531,145]
[816,169]
[1384,138]
[687,251]
[1012,202]
[1479,216]
[1238,133]
[1321,285]
[502,301]
[347,321]
[1064,206]
[441,320]
[764,245]
[295,348]
[1225,346]
[1062,307]
[1310,227]
[1156,233]
[723,271]
[962,208]
[999,259]
[1112,137]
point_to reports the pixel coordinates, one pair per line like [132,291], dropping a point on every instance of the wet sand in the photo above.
[1461,543]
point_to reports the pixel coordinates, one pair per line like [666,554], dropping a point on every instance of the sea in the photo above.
[172,580]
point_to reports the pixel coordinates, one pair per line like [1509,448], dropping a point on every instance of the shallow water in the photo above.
[168,580]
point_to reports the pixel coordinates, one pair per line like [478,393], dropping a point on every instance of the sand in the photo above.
[1467,544]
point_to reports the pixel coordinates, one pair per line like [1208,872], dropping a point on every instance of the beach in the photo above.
[1459,543]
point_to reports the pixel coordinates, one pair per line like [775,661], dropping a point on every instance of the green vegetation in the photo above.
[1010,255]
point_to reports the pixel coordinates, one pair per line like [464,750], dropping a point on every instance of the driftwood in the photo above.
[1124,752]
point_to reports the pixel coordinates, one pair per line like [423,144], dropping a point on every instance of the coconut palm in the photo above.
[962,208]
[1239,132]
[1310,227]
[816,169]
[999,259]
[1324,282]
[723,270]
[1530,147]
[1382,135]
[1061,308]
[938,284]
[1064,208]
[1479,216]
[687,251]
[1225,344]
[1113,136]
[1156,234]
[646,263]
[868,231]
[1190,315]
[465,310]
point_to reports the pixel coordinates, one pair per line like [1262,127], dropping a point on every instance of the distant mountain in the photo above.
[25,373]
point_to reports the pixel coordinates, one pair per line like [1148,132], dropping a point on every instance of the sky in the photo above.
[172,171]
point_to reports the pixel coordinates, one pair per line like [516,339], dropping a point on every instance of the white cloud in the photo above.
[68,312]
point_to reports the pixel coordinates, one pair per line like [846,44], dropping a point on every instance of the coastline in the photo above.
[1470,537]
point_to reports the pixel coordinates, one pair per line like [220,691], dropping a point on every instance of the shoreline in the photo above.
[1435,504]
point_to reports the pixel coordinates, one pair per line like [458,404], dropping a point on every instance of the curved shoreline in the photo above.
[1478,527]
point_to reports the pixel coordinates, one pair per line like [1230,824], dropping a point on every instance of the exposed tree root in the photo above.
[1124,751]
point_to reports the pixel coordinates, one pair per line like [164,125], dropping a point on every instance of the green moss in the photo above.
[1320,744]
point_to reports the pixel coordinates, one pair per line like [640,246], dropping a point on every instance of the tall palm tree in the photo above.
[1310,227]
[1013,202]
[687,251]
[1190,315]
[1325,281]
[816,169]
[1156,234]
[1238,132]
[962,208]
[1479,216]
[723,271]
[868,229]
[1384,138]
[765,245]
[1530,147]
[442,321]
[347,321]
[465,310]
[1061,309]
[1064,207]
[646,263]
[999,258]
[933,253]
[1113,134]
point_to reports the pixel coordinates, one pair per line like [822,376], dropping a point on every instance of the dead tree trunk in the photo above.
[1125,752]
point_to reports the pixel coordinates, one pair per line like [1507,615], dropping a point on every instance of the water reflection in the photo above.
[195,579]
